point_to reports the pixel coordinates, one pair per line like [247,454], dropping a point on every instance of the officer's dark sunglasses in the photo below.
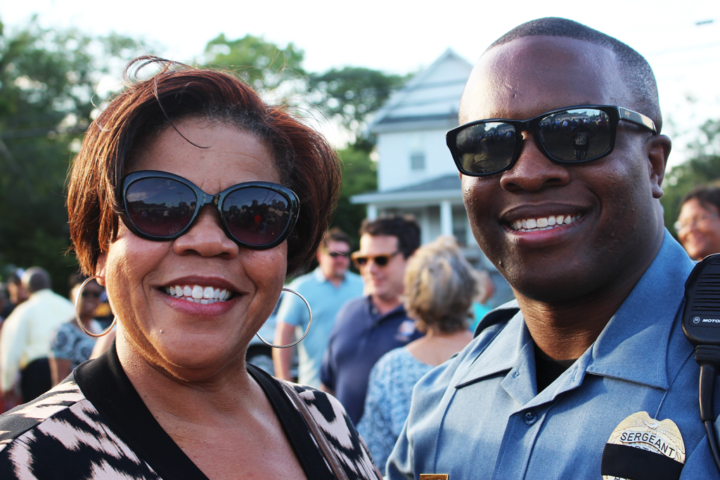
[569,135]
[161,206]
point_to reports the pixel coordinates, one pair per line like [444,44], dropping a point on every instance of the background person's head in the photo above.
[35,279]
[89,297]
[440,286]
[386,243]
[334,254]
[698,225]
[212,130]
[17,293]
[612,224]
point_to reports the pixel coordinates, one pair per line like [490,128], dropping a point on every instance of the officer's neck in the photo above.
[565,330]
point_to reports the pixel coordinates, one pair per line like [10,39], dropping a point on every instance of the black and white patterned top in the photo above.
[71,343]
[94,425]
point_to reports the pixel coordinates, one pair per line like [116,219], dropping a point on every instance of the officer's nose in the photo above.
[533,171]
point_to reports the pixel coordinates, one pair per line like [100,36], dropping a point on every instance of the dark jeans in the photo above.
[35,379]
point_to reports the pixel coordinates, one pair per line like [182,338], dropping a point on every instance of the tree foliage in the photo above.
[349,95]
[702,168]
[47,93]
[359,176]
[262,64]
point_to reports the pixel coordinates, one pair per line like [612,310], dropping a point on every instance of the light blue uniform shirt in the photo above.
[325,300]
[479,416]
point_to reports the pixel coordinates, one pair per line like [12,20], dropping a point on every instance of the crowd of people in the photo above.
[587,373]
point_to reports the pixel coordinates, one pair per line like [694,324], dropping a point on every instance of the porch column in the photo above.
[372,212]
[446,218]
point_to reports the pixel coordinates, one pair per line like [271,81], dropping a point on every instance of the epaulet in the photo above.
[501,315]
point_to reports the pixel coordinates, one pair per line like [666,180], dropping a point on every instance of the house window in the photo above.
[417,161]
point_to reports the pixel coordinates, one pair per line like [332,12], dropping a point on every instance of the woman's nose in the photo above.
[206,237]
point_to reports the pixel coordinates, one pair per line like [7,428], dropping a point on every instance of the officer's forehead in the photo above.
[534,74]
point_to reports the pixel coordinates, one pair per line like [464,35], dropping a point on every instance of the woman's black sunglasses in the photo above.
[161,206]
[569,135]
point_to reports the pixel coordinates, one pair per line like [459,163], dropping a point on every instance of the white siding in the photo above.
[395,151]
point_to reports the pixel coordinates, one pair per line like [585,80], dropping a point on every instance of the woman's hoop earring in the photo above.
[306,330]
[77,314]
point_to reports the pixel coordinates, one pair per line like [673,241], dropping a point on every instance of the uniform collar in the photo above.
[637,335]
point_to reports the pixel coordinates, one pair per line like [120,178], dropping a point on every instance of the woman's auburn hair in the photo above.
[440,286]
[304,159]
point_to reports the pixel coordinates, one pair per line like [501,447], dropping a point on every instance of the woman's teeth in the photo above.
[198,294]
[543,223]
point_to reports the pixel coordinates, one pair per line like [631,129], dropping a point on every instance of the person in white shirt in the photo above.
[26,334]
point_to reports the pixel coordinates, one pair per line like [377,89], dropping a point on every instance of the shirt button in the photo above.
[516,374]
[530,418]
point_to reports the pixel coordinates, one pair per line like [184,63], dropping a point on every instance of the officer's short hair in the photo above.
[636,71]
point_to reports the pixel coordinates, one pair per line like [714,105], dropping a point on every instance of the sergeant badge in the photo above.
[434,476]
[643,448]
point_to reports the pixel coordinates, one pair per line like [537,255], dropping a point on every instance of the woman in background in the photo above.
[70,346]
[698,226]
[440,286]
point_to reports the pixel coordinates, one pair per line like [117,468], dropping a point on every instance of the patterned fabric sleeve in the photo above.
[387,403]
[375,427]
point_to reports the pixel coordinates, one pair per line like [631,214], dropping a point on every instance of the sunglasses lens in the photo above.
[255,215]
[576,135]
[382,260]
[360,261]
[486,148]
[160,206]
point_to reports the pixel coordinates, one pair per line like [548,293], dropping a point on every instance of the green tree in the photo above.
[262,64]
[349,95]
[702,168]
[48,80]
[359,176]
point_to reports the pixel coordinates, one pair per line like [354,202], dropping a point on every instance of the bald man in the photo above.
[26,334]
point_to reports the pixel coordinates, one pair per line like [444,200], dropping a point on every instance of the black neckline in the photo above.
[105,384]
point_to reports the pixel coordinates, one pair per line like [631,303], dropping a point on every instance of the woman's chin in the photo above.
[195,359]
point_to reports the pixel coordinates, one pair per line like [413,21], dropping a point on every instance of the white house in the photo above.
[416,173]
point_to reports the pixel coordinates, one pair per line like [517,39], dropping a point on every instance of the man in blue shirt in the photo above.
[326,289]
[369,327]
[591,358]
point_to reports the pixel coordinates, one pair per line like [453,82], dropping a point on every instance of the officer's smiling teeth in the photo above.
[543,223]
[198,293]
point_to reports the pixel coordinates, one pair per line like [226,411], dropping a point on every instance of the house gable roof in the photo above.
[430,100]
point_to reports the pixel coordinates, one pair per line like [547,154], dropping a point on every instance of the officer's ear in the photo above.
[657,150]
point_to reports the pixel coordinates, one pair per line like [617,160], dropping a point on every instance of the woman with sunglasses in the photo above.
[190,201]
[70,346]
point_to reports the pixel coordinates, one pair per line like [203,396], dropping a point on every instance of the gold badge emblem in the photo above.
[434,476]
[643,442]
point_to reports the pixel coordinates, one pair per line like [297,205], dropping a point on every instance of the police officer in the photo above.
[588,373]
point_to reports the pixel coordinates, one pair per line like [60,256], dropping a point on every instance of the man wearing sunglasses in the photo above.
[368,327]
[562,161]
[326,289]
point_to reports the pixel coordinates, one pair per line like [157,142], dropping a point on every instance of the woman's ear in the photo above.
[100,268]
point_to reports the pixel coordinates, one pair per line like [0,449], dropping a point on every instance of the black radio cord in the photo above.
[708,357]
